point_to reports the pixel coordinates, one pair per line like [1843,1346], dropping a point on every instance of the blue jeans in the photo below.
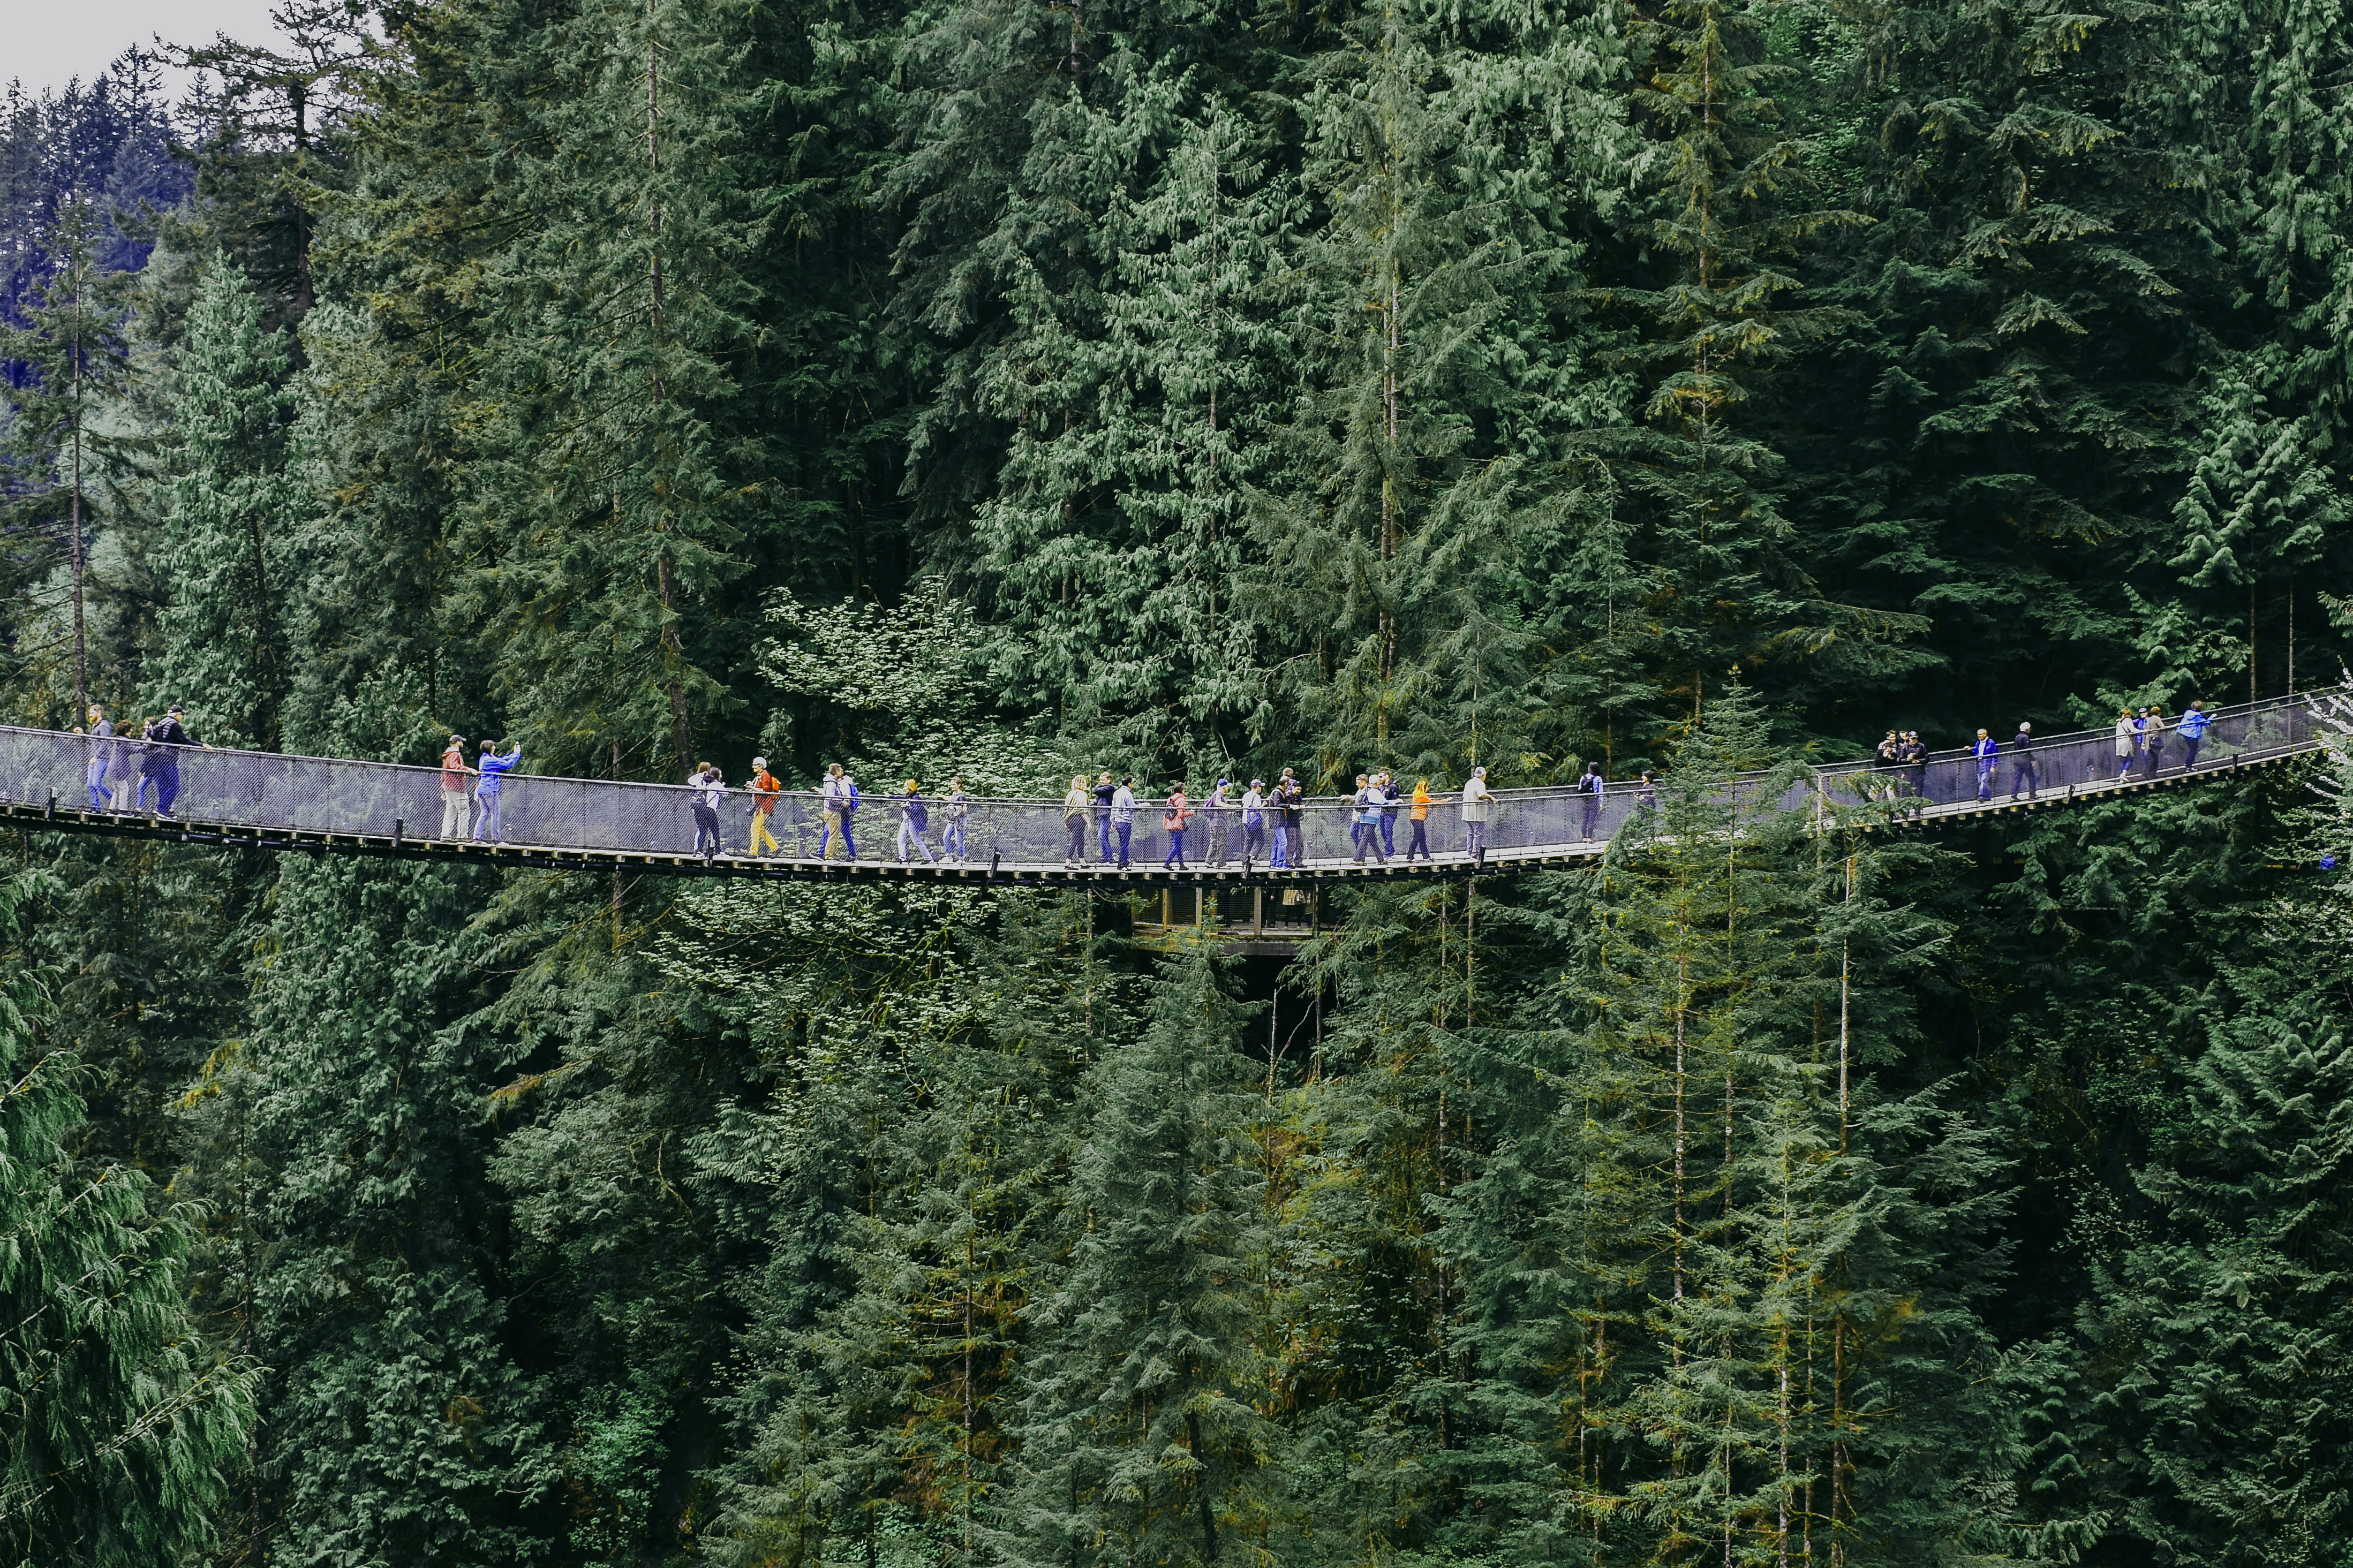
[1176,855]
[488,800]
[166,775]
[1388,832]
[1985,780]
[952,837]
[1102,833]
[98,796]
[1124,829]
[2191,744]
[1282,845]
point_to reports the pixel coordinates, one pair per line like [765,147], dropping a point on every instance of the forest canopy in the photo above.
[1187,390]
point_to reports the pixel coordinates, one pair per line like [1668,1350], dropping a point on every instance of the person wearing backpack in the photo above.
[1172,822]
[835,801]
[1589,791]
[165,739]
[2152,739]
[766,792]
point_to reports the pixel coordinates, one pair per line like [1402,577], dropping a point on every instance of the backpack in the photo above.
[849,798]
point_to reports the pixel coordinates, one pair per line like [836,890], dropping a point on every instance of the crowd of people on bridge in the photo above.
[1255,823]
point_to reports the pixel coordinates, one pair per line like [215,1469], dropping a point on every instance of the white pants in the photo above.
[456,820]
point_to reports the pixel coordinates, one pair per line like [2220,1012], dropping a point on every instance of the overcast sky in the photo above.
[45,43]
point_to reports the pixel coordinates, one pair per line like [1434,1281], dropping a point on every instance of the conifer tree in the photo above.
[1139,1431]
[229,565]
[122,1431]
[66,357]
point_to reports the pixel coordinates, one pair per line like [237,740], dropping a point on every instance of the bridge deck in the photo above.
[2078,755]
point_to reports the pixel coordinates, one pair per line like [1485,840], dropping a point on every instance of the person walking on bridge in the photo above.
[456,802]
[1105,792]
[2127,740]
[766,790]
[704,793]
[165,739]
[1365,822]
[1915,768]
[1589,789]
[2152,738]
[1254,820]
[1385,782]
[2021,760]
[1074,820]
[914,821]
[1122,816]
[1178,811]
[101,754]
[954,810]
[1985,751]
[1419,818]
[1291,796]
[1220,811]
[1475,795]
[2193,733]
[494,766]
[838,800]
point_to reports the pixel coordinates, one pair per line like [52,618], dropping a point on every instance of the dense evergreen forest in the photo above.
[1185,388]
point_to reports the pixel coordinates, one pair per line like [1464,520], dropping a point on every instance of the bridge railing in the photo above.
[270,791]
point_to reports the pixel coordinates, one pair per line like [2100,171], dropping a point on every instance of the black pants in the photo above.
[1254,841]
[706,830]
[1420,841]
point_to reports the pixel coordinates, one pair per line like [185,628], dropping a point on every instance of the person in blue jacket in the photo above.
[493,769]
[2193,730]
[1985,751]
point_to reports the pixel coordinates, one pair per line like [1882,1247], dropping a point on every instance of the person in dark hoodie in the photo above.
[165,738]
[2021,760]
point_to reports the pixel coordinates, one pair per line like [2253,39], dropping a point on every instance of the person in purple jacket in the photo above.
[493,769]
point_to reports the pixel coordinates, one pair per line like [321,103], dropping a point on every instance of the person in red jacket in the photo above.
[457,803]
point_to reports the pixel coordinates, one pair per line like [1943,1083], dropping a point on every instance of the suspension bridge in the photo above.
[60,782]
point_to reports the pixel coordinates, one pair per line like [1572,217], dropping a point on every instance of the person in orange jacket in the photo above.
[765,791]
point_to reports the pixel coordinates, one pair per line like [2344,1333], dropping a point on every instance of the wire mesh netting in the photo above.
[130,777]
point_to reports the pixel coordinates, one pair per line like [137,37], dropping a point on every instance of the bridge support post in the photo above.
[398,826]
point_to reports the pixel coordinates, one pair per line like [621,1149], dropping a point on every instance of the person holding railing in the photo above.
[1177,812]
[1589,791]
[1475,795]
[2193,728]
[1104,791]
[2021,764]
[1385,783]
[493,767]
[1985,751]
[1290,803]
[457,806]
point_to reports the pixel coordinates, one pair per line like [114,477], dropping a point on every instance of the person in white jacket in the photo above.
[1475,812]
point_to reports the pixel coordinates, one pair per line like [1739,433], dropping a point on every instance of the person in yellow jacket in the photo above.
[1419,818]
